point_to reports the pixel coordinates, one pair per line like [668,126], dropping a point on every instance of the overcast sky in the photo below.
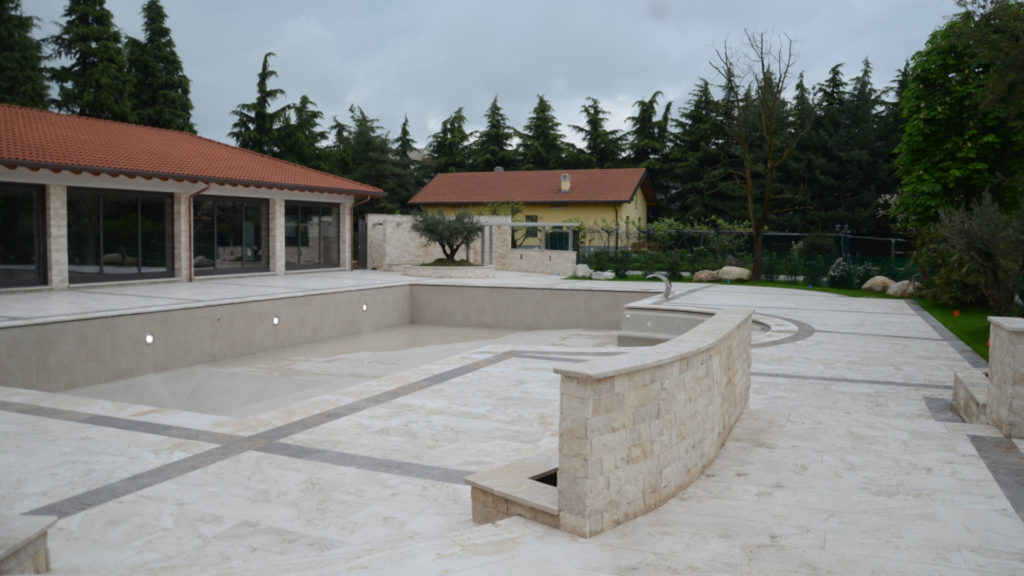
[425,58]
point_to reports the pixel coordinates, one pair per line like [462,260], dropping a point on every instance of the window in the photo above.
[531,232]
[229,235]
[22,235]
[311,235]
[117,235]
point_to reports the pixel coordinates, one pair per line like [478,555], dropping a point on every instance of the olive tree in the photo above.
[450,233]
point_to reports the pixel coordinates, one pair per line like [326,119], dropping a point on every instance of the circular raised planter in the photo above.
[450,272]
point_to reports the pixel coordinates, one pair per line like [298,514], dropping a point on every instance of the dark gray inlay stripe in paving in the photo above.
[942,409]
[1006,463]
[803,331]
[852,380]
[118,423]
[149,478]
[265,441]
[370,463]
[806,309]
[964,350]
[880,335]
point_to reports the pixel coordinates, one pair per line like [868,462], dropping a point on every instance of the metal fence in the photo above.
[835,259]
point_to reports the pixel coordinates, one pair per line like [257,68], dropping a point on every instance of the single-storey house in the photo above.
[90,200]
[601,198]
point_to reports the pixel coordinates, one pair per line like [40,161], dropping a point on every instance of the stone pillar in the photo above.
[182,257]
[345,231]
[57,236]
[276,233]
[1005,397]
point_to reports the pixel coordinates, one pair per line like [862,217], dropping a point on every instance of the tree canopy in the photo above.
[963,134]
[160,89]
[22,80]
[95,82]
[256,124]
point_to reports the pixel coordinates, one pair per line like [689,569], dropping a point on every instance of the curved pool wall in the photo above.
[636,429]
[78,351]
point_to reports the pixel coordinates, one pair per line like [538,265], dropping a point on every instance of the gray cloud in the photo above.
[425,59]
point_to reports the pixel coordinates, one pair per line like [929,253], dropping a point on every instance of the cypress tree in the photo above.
[603,146]
[449,147]
[95,82]
[160,95]
[541,145]
[493,146]
[22,80]
[256,126]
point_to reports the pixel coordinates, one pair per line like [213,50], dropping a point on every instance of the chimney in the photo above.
[566,183]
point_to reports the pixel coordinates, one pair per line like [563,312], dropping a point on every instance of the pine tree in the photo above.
[647,139]
[364,150]
[696,164]
[95,82]
[256,125]
[449,147]
[22,80]
[541,145]
[647,135]
[409,178]
[160,89]
[605,147]
[300,136]
[493,145]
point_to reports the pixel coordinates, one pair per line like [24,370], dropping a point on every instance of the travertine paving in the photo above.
[842,464]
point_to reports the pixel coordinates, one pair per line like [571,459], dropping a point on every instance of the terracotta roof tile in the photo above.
[40,139]
[536,187]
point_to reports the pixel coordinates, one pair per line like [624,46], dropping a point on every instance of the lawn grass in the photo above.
[968,323]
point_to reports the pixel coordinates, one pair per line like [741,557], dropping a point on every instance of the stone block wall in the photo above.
[1005,397]
[392,244]
[536,261]
[637,429]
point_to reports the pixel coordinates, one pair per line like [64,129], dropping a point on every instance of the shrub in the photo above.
[986,243]
[450,234]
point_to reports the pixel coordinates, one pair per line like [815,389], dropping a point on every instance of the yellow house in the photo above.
[609,203]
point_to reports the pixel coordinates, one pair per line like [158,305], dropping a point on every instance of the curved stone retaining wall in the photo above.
[637,429]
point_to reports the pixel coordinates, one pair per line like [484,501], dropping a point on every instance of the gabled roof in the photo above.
[599,186]
[39,139]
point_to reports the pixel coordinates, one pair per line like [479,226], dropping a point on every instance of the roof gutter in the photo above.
[11,162]
[191,234]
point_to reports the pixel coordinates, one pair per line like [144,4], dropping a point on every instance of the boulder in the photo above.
[903,289]
[582,271]
[877,284]
[706,276]
[734,273]
[606,275]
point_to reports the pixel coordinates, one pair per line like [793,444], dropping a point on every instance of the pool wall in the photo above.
[77,352]
[637,429]
[520,308]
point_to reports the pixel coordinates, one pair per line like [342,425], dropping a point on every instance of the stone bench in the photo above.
[969,395]
[23,547]
[514,490]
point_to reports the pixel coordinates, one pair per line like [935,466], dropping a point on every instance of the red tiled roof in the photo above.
[602,186]
[40,139]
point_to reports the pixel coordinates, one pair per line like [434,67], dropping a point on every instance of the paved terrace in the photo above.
[847,461]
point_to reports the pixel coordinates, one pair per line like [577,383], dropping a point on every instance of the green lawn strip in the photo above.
[968,323]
